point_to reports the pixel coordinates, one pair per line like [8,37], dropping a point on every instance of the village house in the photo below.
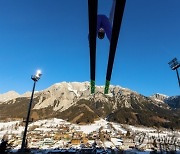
[76,141]
[127,143]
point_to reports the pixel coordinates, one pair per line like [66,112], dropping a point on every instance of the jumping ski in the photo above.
[118,15]
[92,11]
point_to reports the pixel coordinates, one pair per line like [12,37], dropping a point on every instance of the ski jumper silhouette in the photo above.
[104,24]
[99,25]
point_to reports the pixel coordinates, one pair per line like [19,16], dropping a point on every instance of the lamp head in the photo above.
[38,73]
[174,64]
[37,76]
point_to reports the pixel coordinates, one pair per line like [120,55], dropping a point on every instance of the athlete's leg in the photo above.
[111,15]
[107,26]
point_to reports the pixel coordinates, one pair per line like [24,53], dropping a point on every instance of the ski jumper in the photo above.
[106,23]
[103,22]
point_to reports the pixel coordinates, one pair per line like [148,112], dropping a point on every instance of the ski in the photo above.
[118,15]
[92,11]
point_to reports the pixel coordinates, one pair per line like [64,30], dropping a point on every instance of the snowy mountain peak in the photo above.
[74,102]
[62,95]
[159,97]
[8,96]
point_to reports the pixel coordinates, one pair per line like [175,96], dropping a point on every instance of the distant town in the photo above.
[56,134]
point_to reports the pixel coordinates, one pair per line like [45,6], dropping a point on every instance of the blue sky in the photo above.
[52,35]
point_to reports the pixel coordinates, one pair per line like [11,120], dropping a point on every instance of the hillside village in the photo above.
[102,135]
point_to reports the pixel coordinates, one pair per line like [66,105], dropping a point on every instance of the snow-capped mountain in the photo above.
[159,97]
[27,94]
[8,96]
[62,95]
[72,101]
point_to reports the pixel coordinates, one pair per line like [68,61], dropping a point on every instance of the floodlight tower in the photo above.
[35,78]
[174,64]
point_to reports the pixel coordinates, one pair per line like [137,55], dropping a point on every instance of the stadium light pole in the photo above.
[35,78]
[174,64]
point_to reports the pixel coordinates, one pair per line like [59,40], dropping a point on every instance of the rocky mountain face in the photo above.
[8,96]
[159,97]
[173,101]
[73,102]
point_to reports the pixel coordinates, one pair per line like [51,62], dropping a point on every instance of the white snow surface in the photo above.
[92,127]
[118,127]
[9,128]
[163,95]
[7,125]
[51,124]
[141,129]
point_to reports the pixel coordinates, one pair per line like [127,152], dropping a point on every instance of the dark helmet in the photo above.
[101,33]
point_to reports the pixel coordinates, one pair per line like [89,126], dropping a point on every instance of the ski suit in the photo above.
[103,22]
[106,23]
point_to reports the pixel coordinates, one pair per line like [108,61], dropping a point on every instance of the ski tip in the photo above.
[106,89]
[92,86]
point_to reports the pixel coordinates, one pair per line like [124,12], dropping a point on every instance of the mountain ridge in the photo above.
[73,101]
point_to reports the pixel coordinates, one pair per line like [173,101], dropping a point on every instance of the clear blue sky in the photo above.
[52,35]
